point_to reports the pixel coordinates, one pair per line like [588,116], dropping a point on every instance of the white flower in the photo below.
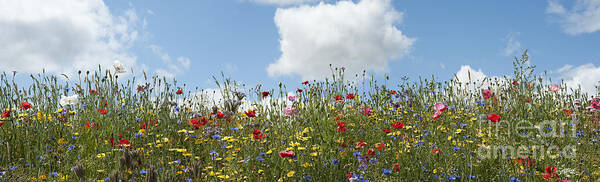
[119,67]
[71,100]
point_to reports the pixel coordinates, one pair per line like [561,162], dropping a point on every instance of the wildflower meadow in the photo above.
[95,126]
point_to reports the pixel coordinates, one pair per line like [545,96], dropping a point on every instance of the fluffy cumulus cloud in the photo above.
[471,79]
[171,67]
[358,36]
[585,76]
[583,17]
[63,36]
[513,45]
[283,2]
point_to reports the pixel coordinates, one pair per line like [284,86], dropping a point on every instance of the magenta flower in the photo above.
[487,94]
[440,107]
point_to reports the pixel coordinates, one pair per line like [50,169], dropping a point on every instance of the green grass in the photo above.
[47,141]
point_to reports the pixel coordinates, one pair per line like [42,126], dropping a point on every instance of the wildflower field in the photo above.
[95,126]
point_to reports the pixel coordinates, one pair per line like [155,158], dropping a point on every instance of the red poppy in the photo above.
[299,90]
[143,126]
[124,142]
[102,111]
[220,115]
[567,112]
[493,117]
[338,98]
[396,167]
[398,124]
[305,82]
[344,144]
[6,114]
[371,152]
[1,123]
[350,96]
[257,134]
[112,141]
[93,92]
[525,160]
[198,122]
[515,82]
[349,175]
[179,92]
[25,105]
[550,172]
[287,154]
[381,146]
[527,100]
[341,126]
[251,114]
[360,144]
[392,92]
[265,94]
[435,151]
[386,130]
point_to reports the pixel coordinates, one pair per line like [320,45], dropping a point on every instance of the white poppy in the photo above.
[71,100]
[119,67]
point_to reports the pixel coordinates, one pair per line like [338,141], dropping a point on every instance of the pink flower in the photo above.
[554,88]
[292,98]
[436,114]
[440,107]
[487,94]
[366,111]
[289,110]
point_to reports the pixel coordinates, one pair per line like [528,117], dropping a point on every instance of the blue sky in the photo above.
[242,38]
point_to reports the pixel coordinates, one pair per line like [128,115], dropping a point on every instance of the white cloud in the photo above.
[466,74]
[171,68]
[587,76]
[513,46]
[185,62]
[583,17]
[283,2]
[64,36]
[358,36]
[471,79]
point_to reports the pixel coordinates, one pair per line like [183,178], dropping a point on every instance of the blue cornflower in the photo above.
[513,179]
[386,172]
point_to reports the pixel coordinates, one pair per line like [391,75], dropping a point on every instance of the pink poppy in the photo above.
[436,115]
[440,107]
[289,110]
[487,94]
[554,88]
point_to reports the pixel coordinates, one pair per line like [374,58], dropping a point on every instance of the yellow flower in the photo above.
[290,174]
[62,141]
[102,155]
